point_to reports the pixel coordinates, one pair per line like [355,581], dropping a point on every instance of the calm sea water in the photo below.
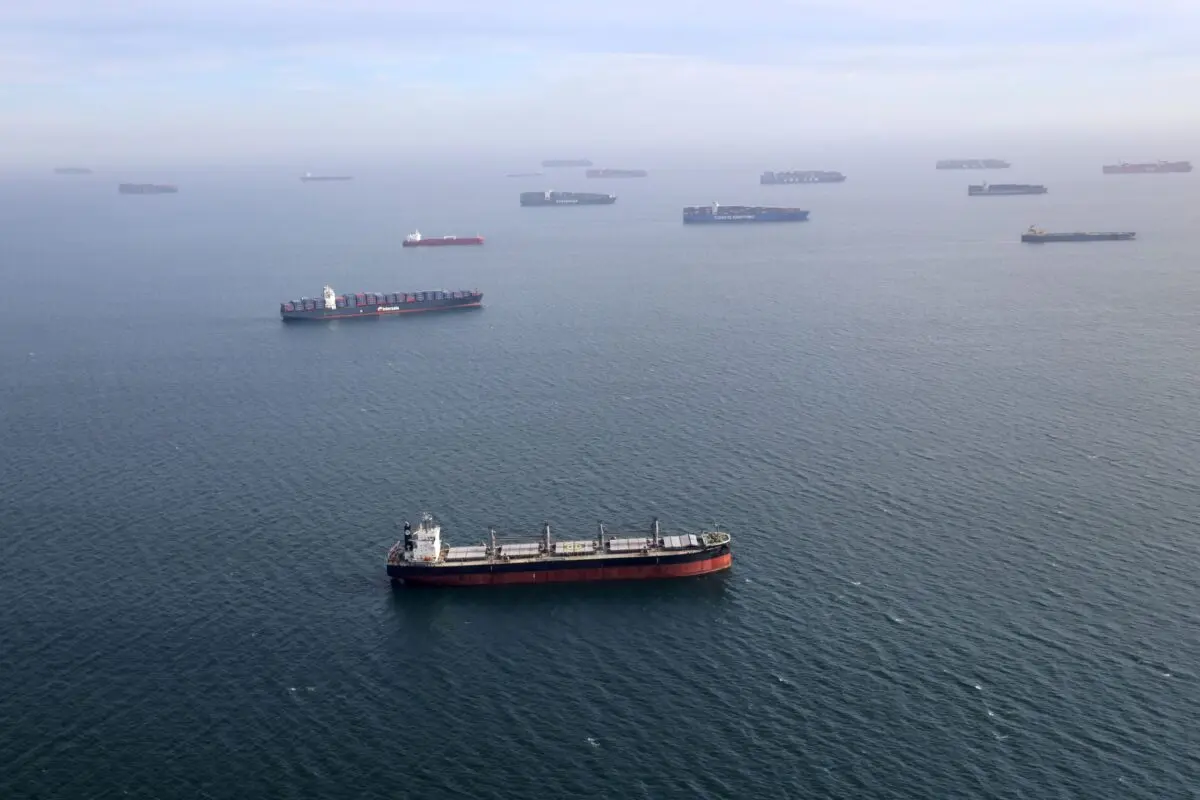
[961,474]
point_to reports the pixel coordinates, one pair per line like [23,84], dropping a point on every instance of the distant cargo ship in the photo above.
[523,175]
[801,176]
[973,163]
[616,173]
[373,304]
[309,177]
[717,213]
[421,559]
[566,199]
[72,171]
[1143,169]
[147,188]
[566,162]
[1036,235]
[415,239]
[988,189]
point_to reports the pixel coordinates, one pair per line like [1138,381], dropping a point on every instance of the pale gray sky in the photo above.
[245,79]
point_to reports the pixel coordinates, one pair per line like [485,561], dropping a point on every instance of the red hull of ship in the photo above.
[445,241]
[630,573]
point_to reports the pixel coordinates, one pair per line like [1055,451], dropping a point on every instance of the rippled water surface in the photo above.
[961,476]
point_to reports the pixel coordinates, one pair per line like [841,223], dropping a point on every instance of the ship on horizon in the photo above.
[1154,168]
[147,188]
[72,171]
[415,239]
[566,162]
[616,173]
[717,214]
[421,559]
[372,305]
[973,163]
[552,198]
[308,177]
[997,189]
[523,175]
[1036,235]
[801,176]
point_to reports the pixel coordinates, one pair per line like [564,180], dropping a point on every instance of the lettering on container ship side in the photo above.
[420,558]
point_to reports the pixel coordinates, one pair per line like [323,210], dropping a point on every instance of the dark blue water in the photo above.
[961,474]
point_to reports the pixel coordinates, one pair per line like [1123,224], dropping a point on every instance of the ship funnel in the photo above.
[601,534]
[656,536]
[546,535]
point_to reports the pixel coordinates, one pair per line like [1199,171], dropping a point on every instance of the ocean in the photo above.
[961,474]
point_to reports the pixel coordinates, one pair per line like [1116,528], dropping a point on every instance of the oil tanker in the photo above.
[369,305]
[567,199]
[147,188]
[616,173]
[308,177]
[415,239]
[973,163]
[717,213]
[421,559]
[997,189]
[1147,169]
[801,176]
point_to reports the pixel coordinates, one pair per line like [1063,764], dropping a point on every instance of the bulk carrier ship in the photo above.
[374,304]
[420,558]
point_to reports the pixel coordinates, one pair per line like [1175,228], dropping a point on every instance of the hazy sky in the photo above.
[298,78]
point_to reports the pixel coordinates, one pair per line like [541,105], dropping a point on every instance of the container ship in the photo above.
[421,559]
[988,189]
[801,176]
[72,171]
[1143,169]
[308,177]
[1036,235]
[719,213]
[616,173]
[567,199]
[566,162]
[147,188]
[374,304]
[415,239]
[973,163]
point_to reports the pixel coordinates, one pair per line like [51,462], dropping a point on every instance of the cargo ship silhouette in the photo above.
[420,557]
